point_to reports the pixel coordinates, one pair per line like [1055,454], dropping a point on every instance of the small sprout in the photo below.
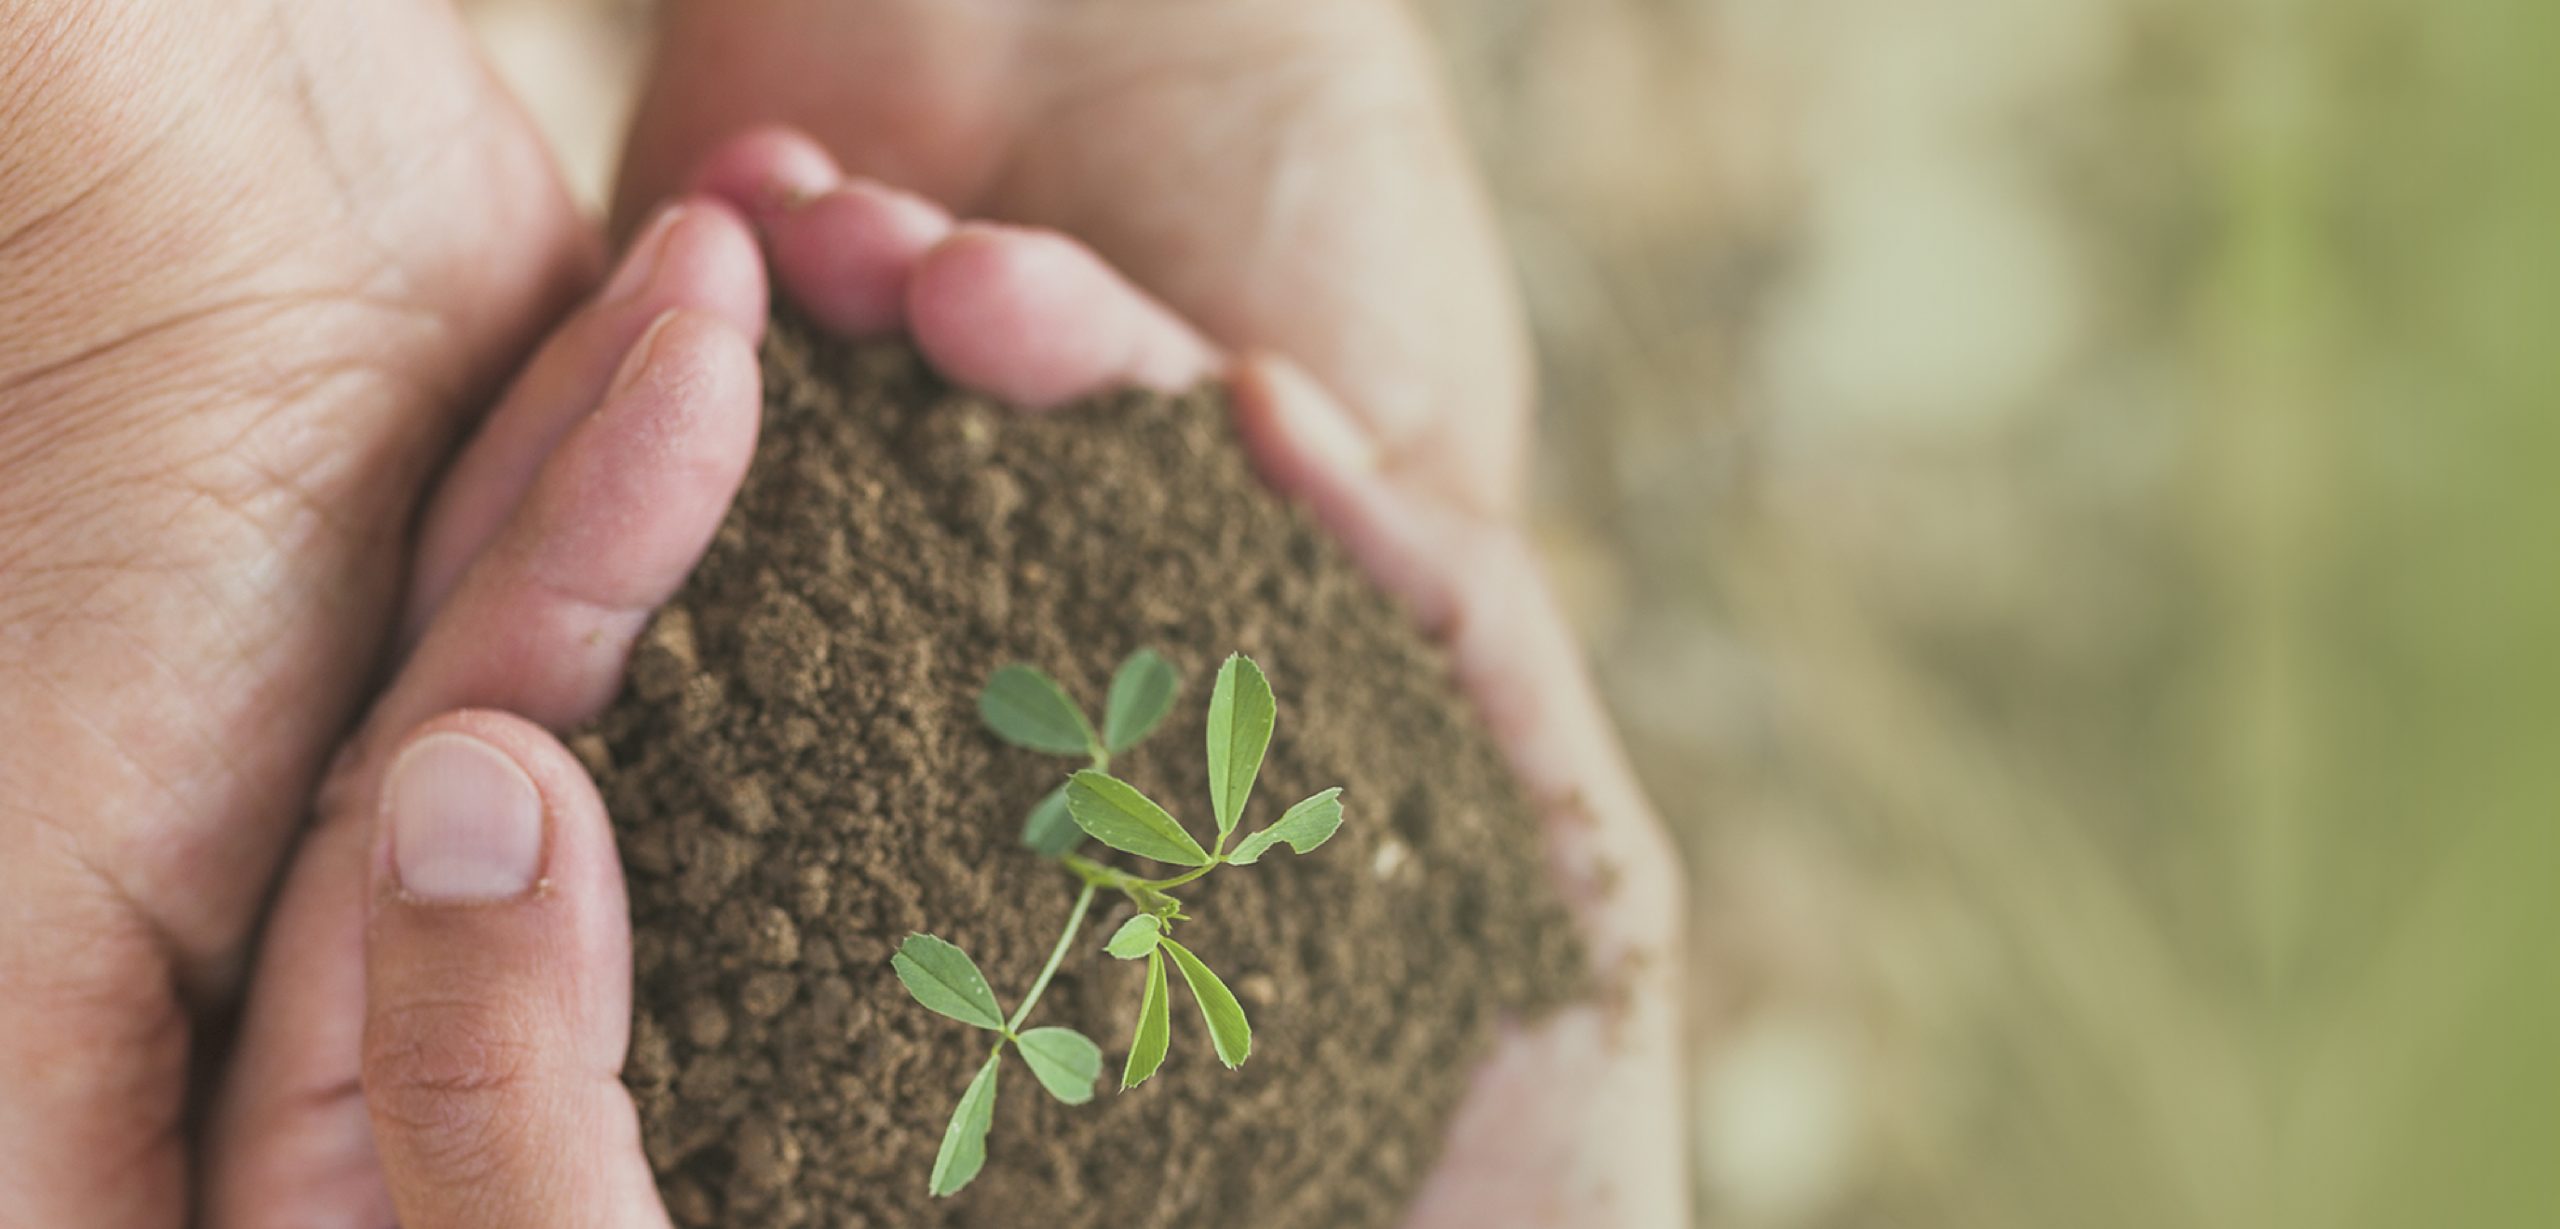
[1113,812]
[1136,937]
[1304,826]
[1228,1029]
[1240,718]
[1155,1027]
[1141,694]
[964,1142]
[1067,1062]
[944,979]
[1027,708]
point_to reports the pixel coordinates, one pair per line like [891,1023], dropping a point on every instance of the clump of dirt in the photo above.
[801,780]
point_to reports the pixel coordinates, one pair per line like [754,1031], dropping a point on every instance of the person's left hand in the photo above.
[458,845]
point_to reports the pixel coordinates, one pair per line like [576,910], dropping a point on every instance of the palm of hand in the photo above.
[233,340]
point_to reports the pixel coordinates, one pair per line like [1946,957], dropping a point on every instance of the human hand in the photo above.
[492,1072]
[1284,176]
[442,993]
[260,264]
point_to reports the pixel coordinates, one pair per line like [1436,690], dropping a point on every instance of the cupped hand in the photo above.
[1286,176]
[497,1024]
[438,1011]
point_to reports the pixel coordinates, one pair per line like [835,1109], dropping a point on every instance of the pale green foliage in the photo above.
[1049,830]
[1155,1027]
[1141,694]
[1066,1061]
[943,978]
[1240,718]
[1136,937]
[1028,708]
[964,1142]
[1304,826]
[1113,812]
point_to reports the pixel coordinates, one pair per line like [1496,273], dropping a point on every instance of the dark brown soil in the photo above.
[801,780]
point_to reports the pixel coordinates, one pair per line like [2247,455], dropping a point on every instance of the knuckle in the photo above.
[452,1080]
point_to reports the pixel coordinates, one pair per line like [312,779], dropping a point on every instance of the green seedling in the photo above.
[1027,708]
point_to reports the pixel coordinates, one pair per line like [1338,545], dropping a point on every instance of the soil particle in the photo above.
[801,780]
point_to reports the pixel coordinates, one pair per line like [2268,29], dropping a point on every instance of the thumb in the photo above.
[498,988]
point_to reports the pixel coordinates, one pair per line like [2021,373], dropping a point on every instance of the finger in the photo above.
[1476,585]
[1035,318]
[288,1139]
[1610,1152]
[540,624]
[766,170]
[614,521]
[498,988]
[697,255]
[846,255]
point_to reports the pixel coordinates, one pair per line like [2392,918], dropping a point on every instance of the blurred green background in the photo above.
[2061,496]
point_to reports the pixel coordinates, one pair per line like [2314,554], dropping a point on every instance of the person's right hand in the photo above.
[496,1024]
[1284,174]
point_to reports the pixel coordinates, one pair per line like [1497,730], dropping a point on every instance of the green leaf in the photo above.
[1227,1025]
[1136,937]
[1049,830]
[964,1142]
[1113,812]
[1066,1061]
[1155,1027]
[1141,694]
[943,978]
[1028,709]
[1305,826]
[1240,716]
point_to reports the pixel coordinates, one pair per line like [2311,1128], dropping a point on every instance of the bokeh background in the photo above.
[2061,496]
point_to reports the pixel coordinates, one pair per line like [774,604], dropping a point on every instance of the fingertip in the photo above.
[496,1023]
[766,169]
[711,264]
[846,256]
[695,256]
[1038,319]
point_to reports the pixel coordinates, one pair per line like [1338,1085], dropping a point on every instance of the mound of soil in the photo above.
[801,780]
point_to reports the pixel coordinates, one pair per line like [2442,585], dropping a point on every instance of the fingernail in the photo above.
[801,175]
[1325,429]
[466,822]
[640,263]
[636,360]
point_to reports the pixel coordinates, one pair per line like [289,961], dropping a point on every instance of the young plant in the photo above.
[1027,708]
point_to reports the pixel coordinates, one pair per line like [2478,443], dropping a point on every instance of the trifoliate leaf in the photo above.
[1027,708]
[1305,826]
[1227,1025]
[1113,812]
[1136,937]
[1141,694]
[1049,830]
[964,1142]
[1066,1061]
[944,979]
[1155,1027]
[1240,716]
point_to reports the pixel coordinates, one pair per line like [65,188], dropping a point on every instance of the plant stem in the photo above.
[1075,920]
[1097,874]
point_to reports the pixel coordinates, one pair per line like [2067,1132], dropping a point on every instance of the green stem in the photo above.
[1096,874]
[1075,920]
